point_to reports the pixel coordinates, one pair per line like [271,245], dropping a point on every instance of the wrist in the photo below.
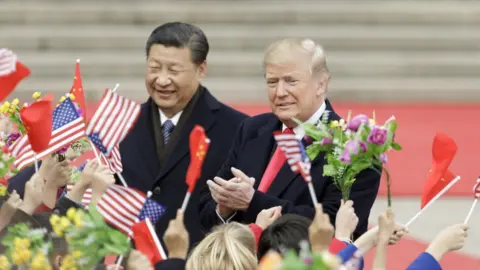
[177,255]
[28,208]
[437,251]
[340,234]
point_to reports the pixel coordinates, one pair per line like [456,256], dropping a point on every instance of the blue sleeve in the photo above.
[425,261]
[18,181]
[347,254]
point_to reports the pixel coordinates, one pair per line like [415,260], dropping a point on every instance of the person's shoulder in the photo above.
[231,113]
[260,120]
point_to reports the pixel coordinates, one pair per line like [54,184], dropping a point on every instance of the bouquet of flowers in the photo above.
[12,111]
[89,238]
[26,247]
[306,260]
[351,147]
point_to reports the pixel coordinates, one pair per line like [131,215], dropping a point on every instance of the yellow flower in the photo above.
[65,223]
[6,104]
[72,96]
[58,231]
[78,220]
[3,191]
[62,99]
[21,243]
[334,124]
[371,121]
[68,263]
[76,254]
[54,220]
[36,95]
[22,256]
[71,213]
[4,263]
[15,101]
[40,262]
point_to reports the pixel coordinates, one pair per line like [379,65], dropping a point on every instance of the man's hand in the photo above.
[103,178]
[138,261]
[346,220]
[235,194]
[398,233]
[176,238]
[320,231]
[267,216]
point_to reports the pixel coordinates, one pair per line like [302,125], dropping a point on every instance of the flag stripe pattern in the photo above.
[8,62]
[113,119]
[67,127]
[113,159]
[294,153]
[121,207]
[87,196]
[476,189]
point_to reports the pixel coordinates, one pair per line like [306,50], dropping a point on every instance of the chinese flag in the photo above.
[443,151]
[199,144]
[77,90]
[12,72]
[37,119]
[146,241]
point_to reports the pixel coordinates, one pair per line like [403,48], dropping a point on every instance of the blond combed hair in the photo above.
[286,50]
[228,247]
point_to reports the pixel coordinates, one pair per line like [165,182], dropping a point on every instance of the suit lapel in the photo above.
[202,114]
[145,143]
[285,176]
[260,149]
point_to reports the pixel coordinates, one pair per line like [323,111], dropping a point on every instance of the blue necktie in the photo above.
[167,130]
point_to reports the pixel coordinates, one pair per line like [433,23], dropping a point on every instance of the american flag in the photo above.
[113,119]
[67,127]
[113,159]
[122,207]
[476,189]
[87,196]
[8,62]
[295,153]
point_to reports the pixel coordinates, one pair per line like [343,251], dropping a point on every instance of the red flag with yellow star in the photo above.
[199,144]
[77,90]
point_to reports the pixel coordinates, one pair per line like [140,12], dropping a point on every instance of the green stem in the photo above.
[387,174]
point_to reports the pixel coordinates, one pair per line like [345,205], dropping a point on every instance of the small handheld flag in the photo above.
[12,72]
[297,158]
[476,195]
[199,144]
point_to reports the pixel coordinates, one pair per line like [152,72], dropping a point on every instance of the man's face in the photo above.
[293,92]
[172,78]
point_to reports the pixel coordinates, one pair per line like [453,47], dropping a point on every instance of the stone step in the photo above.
[253,89]
[264,12]
[243,37]
[232,64]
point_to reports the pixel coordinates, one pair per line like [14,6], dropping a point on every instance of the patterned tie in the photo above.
[167,130]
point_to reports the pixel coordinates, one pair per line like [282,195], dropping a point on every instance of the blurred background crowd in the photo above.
[418,60]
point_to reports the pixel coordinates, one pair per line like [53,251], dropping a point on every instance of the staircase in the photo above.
[390,50]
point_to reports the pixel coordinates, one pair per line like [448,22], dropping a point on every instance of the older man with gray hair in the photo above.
[255,175]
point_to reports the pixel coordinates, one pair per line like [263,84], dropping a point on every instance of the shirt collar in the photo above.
[299,131]
[174,119]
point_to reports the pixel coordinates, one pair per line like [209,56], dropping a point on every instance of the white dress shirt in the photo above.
[174,119]
[299,130]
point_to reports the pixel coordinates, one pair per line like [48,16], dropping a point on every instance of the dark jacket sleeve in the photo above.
[425,261]
[18,181]
[206,208]
[171,264]
[63,204]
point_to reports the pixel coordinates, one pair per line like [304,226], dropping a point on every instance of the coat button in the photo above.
[157,190]
[56,212]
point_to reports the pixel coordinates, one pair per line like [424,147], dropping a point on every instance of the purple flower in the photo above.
[308,261]
[383,158]
[326,141]
[357,121]
[12,137]
[62,150]
[352,148]
[307,140]
[378,135]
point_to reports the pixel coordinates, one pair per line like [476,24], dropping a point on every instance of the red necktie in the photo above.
[276,163]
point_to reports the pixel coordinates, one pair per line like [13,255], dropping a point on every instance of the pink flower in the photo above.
[352,148]
[383,158]
[326,141]
[357,121]
[377,136]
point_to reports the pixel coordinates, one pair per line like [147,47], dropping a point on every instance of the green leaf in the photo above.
[329,170]
[396,146]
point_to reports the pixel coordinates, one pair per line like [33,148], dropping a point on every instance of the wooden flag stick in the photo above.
[444,190]
[471,211]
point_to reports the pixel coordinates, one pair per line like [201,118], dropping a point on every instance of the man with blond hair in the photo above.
[255,175]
